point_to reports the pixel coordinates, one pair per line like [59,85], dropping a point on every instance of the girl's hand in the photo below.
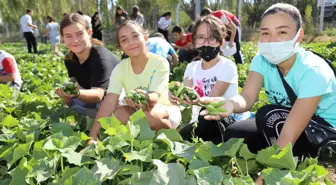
[67,98]
[136,105]
[188,101]
[147,98]
[173,99]
[228,106]
[259,181]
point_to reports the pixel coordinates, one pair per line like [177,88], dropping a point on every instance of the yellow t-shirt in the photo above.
[123,77]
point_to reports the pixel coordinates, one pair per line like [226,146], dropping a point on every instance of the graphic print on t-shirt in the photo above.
[278,98]
[209,83]
[199,88]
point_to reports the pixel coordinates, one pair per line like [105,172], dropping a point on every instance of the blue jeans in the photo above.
[85,109]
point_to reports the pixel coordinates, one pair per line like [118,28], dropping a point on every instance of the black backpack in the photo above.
[325,59]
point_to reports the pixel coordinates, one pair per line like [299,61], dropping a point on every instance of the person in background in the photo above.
[183,42]
[233,25]
[97,26]
[87,18]
[145,72]
[158,45]
[52,28]
[137,16]
[121,15]
[27,28]
[191,26]
[9,71]
[211,76]
[164,23]
[88,62]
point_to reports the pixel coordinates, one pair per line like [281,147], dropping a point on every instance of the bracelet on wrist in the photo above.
[77,94]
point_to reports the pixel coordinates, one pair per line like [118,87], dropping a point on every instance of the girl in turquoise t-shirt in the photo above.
[308,75]
[144,72]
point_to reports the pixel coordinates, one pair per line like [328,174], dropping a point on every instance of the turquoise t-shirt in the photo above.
[309,76]
[160,46]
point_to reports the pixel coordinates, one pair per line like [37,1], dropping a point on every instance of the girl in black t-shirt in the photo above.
[88,62]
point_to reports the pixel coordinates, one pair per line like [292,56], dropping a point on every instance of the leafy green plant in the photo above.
[44,142]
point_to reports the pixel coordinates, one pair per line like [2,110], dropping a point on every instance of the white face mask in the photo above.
[277,52]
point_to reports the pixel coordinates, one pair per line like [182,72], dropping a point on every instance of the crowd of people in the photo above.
[287,71]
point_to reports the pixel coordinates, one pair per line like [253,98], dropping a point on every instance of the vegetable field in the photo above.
[42,141]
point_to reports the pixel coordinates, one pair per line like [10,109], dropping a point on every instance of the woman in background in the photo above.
[164,23]
[137,16]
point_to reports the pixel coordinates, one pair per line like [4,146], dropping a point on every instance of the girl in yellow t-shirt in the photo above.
[144,72]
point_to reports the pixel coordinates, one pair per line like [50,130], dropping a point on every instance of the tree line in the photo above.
[12,10]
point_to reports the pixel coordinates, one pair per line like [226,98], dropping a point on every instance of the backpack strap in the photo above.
[290,93]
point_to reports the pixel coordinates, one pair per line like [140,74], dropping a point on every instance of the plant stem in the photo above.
[141,166]
[247,172]
[240,170]
[62,167]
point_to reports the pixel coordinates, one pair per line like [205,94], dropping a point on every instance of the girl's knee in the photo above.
[158,118]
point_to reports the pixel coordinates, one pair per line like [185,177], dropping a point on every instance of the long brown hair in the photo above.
[217,29]
[76,18]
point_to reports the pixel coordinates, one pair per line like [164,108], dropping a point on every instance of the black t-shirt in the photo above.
[96,70]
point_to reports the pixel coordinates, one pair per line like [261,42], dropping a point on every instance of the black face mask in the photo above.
[207,53]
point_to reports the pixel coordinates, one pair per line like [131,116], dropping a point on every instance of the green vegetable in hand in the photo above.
[215,107]
[69,87]
[136,97]
[180,91]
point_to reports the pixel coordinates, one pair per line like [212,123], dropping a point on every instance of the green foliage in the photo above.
[43,142]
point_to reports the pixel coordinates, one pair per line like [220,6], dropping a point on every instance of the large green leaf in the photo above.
[144,155]
[64,128]
[276,158]
[38,150]
[9,121]
[20,151]
[191,180]
[109,122]
[139,118]
[275,176]
[83,177]
[4,182]
[168,174]
[75,158]
[245,153]
[246,180]
[204,151]
[115,142]
[171,134]
[196,164]
[114,127]
[67,173]
[19,173]
[229,148]
[106,168]
[62,143]
[210,175]
[43,170]
[177,148]
[248,166]
[142,178]
[129,169]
